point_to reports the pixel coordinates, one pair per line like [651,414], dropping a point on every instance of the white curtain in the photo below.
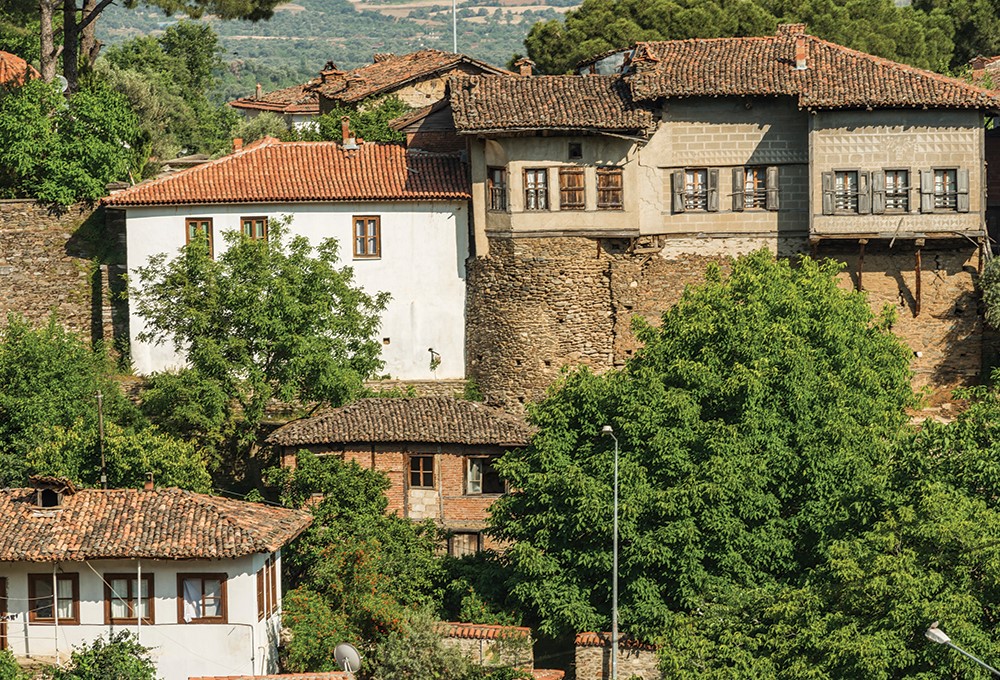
[192,599]
[119,599]
[64,599]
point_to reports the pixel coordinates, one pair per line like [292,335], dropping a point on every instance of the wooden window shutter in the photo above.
[260,595]
[878,192]
[962,184]
[926,191]
[677,189]
[739,178]
[828,193]
[772,188]
[864,193]
[713,191]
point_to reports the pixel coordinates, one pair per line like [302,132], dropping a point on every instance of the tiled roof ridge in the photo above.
[256,145]
[897,65]
[482,631]
[594,639]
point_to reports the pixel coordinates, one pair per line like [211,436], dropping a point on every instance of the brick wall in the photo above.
[536,305]
[67,262]
[594,662]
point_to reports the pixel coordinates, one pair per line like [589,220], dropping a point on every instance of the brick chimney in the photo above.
[525,66]
[237,143]
[349,143]
[149,485]
[800,53]
[379,57]
[259,91]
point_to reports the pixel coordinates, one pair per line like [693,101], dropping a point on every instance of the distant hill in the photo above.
[302,36]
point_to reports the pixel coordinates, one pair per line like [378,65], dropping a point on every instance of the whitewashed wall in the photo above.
[243,646]
[424,247]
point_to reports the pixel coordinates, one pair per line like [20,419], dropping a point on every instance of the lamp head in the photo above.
[935,634]
[606,430]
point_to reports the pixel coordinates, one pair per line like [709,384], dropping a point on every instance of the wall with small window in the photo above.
[886,173]
[178,608]
[538,184]
[415,251]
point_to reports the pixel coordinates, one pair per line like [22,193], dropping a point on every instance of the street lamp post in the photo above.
[608,432]
[935,634]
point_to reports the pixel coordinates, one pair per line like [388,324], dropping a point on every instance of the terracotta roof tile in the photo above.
[604,640]
[482,103]
[834,77]
[476,631]
[440,420]
[390,72]
[14,70]
[548,674]
[128,523]
[273,171]
[298,99]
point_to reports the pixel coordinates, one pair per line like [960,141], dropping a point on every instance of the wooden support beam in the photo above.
[861,261]
[916,305]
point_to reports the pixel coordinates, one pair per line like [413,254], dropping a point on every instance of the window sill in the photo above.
[50,622]
[204,621]
[367,257]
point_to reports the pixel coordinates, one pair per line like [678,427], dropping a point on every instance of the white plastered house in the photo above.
[196,578]
[400,217]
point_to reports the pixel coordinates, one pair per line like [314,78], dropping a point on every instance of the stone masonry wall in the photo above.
[536,305]
[64,263]
[594,663]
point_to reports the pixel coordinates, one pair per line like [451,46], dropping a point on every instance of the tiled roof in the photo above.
[271,171]
[129,523]
[483,103]
[439,420]
[14,70]
[475,631]
[604,640]
[298,99]
[548,674]
[834,77]
[390,72]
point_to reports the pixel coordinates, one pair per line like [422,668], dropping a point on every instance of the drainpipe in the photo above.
[55,612]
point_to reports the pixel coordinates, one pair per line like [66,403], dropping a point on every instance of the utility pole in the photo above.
[100,438]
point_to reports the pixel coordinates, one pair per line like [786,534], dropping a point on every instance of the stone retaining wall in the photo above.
[537,305]
[66,262]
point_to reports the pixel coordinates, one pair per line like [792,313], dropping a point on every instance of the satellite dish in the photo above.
[63,83]
[347,657]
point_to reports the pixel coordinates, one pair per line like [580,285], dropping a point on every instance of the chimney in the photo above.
[800,53]
[149,486]
[525,66]
[237,143]
[259,91]
[350,144]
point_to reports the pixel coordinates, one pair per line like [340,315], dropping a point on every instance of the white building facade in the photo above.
[401,224]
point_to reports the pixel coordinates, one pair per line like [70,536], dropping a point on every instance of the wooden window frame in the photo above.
[365,219]
[267,588]
[572,197]
[540,191]
[574,151]
[223,596]
[272,586]
[468,477]
[604,191]
[755,187]
[696,189]
[897,197]
[132,620]
[210,222]
[421,472]
[945,198]
[33,598]
[451,542]
[847,201]
[253,219]
[496,192]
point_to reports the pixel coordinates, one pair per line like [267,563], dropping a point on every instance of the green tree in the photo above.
[359,571]
[917,37]
[369,120]
[264,320]
[753,427]
[62,151]
[130,456]
[9,670]
[989,283]
[50,379]
[120,657]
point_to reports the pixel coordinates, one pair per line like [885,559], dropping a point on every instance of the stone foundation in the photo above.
[538,305]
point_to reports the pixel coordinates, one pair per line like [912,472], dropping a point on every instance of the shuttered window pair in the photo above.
[888,191]
[755,187]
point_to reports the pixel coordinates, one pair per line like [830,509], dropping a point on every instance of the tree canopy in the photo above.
[264,319]
[929,35]
[61,151]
